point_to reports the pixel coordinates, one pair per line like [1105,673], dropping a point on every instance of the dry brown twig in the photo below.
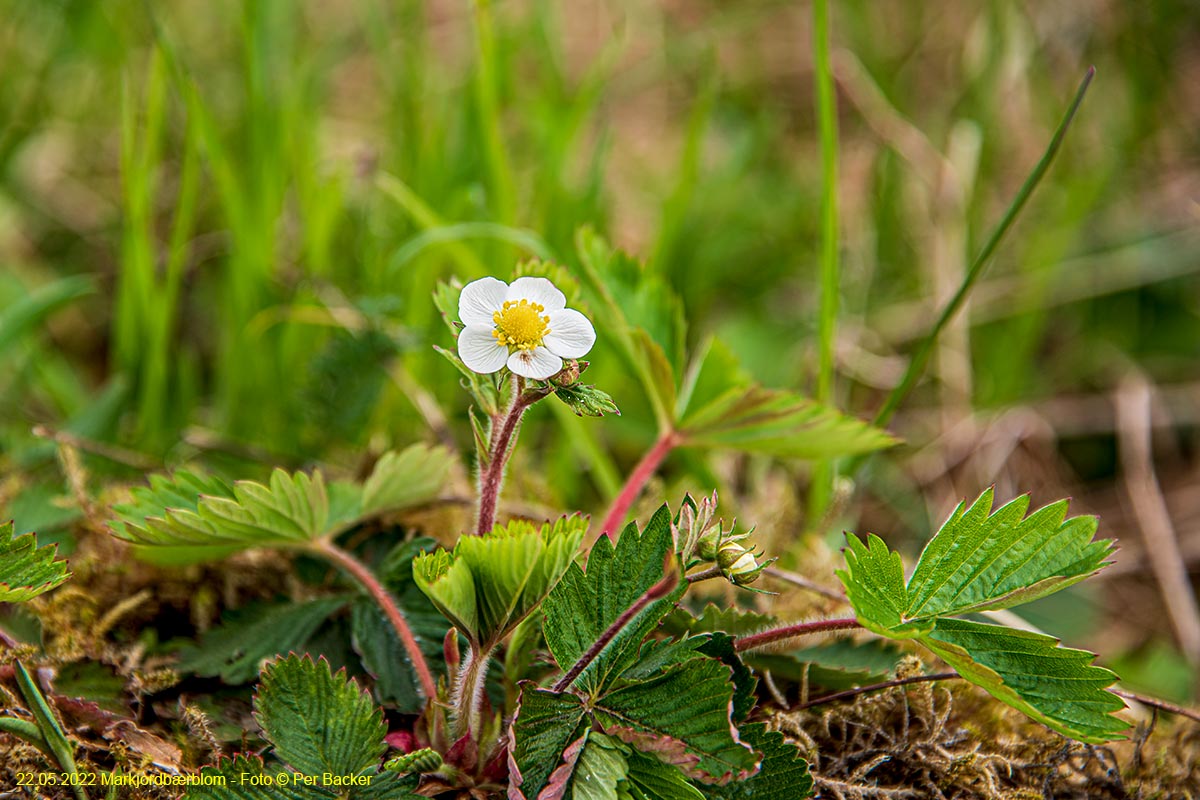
[1133,405]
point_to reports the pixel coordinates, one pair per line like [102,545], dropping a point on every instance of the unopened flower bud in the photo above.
[738,564]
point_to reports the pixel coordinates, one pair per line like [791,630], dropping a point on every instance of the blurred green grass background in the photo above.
[221,222]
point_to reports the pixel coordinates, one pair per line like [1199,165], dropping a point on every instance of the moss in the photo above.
[952,741]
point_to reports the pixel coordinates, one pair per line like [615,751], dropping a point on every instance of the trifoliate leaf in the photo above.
[237,648]
[683,716]
[27,570]
[586,400]
[783,776]
[1057,686]
[978,561]
[583,605]
[982,560]
[187,518]
[318,721]
[406,479]
[546,725]
[489,583]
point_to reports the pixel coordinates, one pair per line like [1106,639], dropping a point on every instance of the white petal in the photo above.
[480,299]
[571,334]
[479,350]
[537,290]
[538,363]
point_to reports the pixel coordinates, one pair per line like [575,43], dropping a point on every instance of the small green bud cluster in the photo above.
[699,534]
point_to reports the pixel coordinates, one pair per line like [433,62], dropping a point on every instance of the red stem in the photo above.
[492,476]
[384,600]
[636,481]
[793,631]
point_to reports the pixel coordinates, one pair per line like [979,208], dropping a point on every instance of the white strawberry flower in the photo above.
[525,326]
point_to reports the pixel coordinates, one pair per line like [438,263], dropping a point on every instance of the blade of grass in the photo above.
[52,732]
[920,358]
[488,107]
[821,489]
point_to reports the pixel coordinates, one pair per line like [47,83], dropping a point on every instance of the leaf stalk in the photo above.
[794,631]
[637,480]
[384,600]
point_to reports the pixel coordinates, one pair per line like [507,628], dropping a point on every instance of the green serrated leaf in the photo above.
[784,774]
[874,581]
[983,560]
[489,583]
[27,570]
[751,418]
[683,716]
[187,518]
[235,650]
[1058,686]
[546,724]
[978,561]
[318,722]
[586,400]
[583,605]
[405,479]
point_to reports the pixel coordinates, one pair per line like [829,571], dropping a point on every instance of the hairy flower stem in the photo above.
[794,631]
[468,692]
[636,481]
[491,476]
[658,590]
[384,600]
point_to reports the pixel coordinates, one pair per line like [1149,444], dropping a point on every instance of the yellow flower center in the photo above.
[520,324]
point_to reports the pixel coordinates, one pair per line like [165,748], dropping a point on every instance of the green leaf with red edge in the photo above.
[546,726]
[27,570]
[684,716]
